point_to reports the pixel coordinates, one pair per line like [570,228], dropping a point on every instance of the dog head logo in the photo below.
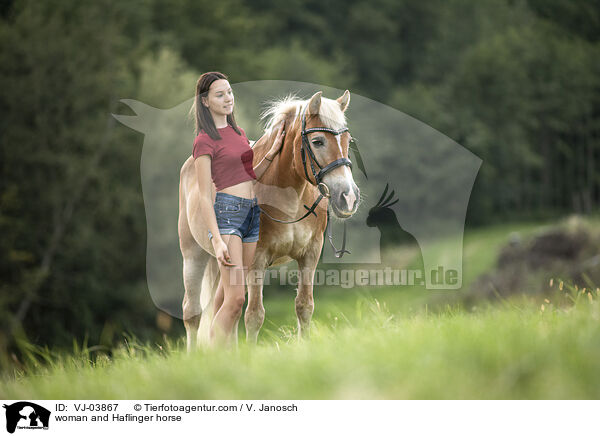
[26,415]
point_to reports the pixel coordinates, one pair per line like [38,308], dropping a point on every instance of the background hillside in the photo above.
[515,82]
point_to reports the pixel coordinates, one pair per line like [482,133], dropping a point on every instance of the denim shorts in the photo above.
[237,216]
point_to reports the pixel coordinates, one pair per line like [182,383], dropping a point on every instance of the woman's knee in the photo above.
[234,305]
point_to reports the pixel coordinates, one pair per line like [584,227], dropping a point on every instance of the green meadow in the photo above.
[366,343]
[496,99]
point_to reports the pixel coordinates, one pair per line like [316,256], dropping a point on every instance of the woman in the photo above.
[223,155]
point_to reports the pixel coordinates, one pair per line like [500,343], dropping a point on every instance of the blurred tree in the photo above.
[580,17]
[66,181]
[515,81]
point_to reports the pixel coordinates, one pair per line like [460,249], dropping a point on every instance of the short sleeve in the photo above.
[245,137]
[202,147]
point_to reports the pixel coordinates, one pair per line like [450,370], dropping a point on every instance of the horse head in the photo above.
[325,136]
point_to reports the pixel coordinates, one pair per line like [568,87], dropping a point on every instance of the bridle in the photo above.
[306,149]
[318,177]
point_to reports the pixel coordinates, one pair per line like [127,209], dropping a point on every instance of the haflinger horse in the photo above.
[316,134]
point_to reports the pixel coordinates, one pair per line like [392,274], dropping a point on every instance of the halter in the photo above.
[318,176]
[306,149]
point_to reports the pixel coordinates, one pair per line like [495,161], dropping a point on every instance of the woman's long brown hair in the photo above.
[202,116]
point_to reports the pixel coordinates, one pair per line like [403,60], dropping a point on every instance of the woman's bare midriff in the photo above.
[244,189]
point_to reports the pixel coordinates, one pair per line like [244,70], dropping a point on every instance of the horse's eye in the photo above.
[317,143]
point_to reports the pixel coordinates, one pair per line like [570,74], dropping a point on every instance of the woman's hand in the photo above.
[276,147]
[222,253]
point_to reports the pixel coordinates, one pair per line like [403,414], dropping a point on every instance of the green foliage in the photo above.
[516,82]
[525,350]
[71,213]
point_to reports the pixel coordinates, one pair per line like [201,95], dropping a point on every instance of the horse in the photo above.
[316,132]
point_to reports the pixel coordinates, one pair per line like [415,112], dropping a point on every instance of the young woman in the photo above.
[223,155]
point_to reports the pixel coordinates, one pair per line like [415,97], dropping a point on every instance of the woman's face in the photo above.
[220,98]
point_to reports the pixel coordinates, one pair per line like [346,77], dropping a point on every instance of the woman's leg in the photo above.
[255,311]
[248,250]
[218,297]
[234,289]
[219,302]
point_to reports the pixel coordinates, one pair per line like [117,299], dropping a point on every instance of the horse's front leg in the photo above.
[192,310]
[304,299]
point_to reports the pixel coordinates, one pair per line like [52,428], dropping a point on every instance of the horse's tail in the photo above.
[210,282]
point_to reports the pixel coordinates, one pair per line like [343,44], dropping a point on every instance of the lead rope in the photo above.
[310,210]
[338,253]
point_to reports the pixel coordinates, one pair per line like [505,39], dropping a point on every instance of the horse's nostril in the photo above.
[349,197]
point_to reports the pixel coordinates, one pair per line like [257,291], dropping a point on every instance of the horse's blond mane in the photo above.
[290,106]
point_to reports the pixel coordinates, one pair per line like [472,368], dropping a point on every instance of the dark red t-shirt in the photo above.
[231,156]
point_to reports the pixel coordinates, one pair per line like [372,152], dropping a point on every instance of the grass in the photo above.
[481,247]
[518,350]
[366,344]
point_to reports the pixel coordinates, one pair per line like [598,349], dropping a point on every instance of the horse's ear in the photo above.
[344,100]
[315,103]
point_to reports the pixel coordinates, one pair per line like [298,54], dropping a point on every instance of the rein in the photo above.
[318,176]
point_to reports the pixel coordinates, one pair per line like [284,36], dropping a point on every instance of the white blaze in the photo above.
[350,197]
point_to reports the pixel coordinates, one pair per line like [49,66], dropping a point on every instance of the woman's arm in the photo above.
[207,211]
[264,163]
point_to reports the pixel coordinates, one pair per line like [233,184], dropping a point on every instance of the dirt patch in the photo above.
[570,252]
